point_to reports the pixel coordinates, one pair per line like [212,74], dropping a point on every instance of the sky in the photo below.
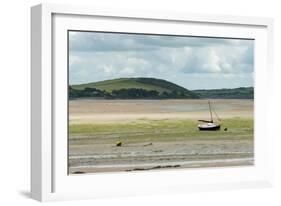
[191,62]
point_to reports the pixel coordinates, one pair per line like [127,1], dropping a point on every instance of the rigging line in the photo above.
[217,116]
[210,110]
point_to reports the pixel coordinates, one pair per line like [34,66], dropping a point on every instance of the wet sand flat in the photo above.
[99,111]
[161,155]
[157,135]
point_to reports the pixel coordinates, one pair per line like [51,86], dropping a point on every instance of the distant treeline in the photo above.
[237,93]
[131,93]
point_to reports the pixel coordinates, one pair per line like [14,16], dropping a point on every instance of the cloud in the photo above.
[100,41]
[98,56]
[220,60]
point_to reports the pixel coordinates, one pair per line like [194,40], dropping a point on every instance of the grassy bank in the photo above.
[157,130]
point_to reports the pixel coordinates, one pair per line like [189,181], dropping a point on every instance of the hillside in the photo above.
[151,88]
[131,88]
[237,93]
[128,83]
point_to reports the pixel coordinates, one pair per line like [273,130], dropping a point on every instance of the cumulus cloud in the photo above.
[96,56]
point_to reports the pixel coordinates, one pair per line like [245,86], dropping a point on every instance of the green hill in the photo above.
[152,88]
[128,83]
[131,88]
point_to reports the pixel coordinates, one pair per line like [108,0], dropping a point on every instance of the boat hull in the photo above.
[211,128]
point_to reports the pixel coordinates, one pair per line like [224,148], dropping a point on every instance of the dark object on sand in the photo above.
[225,129]
[119,144]
[78,172]
[149,144]
[209,125]
[152,168]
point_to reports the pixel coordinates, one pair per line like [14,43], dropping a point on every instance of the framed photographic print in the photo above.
[127,103]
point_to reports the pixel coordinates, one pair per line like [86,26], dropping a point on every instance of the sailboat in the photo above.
[209,125]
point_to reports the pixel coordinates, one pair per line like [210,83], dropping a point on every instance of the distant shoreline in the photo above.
[151,88]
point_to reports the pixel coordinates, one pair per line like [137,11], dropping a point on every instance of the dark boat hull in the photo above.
[214,128]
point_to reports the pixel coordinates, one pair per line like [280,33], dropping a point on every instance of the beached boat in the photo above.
[209,125]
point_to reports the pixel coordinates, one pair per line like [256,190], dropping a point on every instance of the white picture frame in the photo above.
[49,179]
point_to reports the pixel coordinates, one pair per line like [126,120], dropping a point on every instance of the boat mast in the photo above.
[210,110]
